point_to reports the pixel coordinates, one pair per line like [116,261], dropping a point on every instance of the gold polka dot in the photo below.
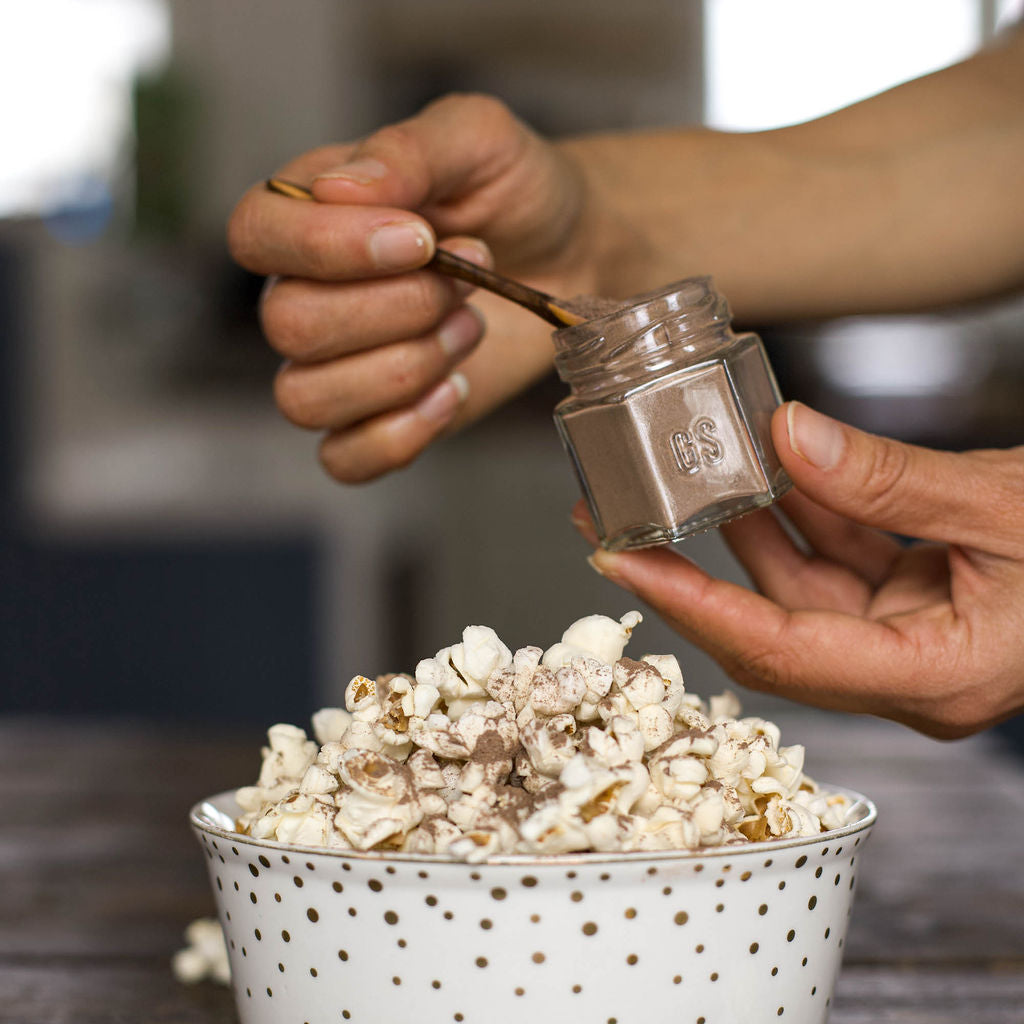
[529,881]
[520,991]
[313,915]
[538,958]
[435,984]
[498,893]
[632,959]
[682,917]
[481,961]
[391,917]
[375,885]
[486,924]
[576,896]
[631,913]
[590,928]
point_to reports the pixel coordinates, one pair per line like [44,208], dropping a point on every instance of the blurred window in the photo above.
[66,71]
[775,62]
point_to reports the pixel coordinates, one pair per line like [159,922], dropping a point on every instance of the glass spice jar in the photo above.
[668,420]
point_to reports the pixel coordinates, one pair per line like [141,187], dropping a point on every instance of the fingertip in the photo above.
[606,564]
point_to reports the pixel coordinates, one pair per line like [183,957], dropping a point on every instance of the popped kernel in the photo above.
[484,751]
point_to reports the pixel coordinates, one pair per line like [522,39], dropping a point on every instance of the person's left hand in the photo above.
[931,635]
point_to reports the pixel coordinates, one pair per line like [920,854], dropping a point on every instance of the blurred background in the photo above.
[168,544]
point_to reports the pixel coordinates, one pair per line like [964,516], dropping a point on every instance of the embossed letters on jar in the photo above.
[697,445]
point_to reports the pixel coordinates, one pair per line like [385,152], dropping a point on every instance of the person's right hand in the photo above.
[371,340]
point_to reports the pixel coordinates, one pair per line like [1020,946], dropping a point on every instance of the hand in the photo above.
[371,339]
[931,635]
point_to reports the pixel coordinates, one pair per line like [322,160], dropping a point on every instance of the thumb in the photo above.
[972,499]
[445,151]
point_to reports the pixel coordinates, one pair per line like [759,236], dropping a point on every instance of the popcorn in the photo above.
[205,956]
[485,751]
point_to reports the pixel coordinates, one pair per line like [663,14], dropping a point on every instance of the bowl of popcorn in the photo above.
[533,835]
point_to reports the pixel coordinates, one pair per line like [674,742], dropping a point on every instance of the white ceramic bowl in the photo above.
[736,935]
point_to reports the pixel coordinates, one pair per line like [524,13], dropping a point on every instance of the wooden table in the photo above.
[99,873]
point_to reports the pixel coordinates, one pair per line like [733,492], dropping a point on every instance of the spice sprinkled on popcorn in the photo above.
[485,751]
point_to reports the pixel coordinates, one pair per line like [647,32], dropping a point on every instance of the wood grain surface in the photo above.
[99,872]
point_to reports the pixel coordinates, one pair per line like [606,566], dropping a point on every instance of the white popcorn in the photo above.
[486,752]
[725,705]
[668,668]
[595,635]
[379,801]
[555,693]
[655,725]
[329,724]
[788,819]
[205,956]
[667,828]
[318,779]
[679,779]
[361,697]
[308,824]
[641,684]
[619,743]
[433,835]
[550,743]
[480,655]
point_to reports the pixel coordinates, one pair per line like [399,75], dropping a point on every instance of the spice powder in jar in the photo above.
[668,420]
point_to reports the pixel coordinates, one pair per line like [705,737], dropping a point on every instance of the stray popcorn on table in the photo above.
[485,751]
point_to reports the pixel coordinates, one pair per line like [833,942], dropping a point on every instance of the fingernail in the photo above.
[439,405]
[364,171]
[460,332]
[578,521]
[268,286]
[605,564]
[817,439]
[400,246]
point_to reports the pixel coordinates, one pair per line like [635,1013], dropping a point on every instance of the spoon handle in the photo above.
[447,263]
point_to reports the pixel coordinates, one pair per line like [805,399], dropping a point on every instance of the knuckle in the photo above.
[285,324]
[480,108]
[243,234]
[882,475]
[318,246]
[297,398]
[425,300]
[407,371]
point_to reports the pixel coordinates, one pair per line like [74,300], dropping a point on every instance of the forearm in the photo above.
[908,200]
